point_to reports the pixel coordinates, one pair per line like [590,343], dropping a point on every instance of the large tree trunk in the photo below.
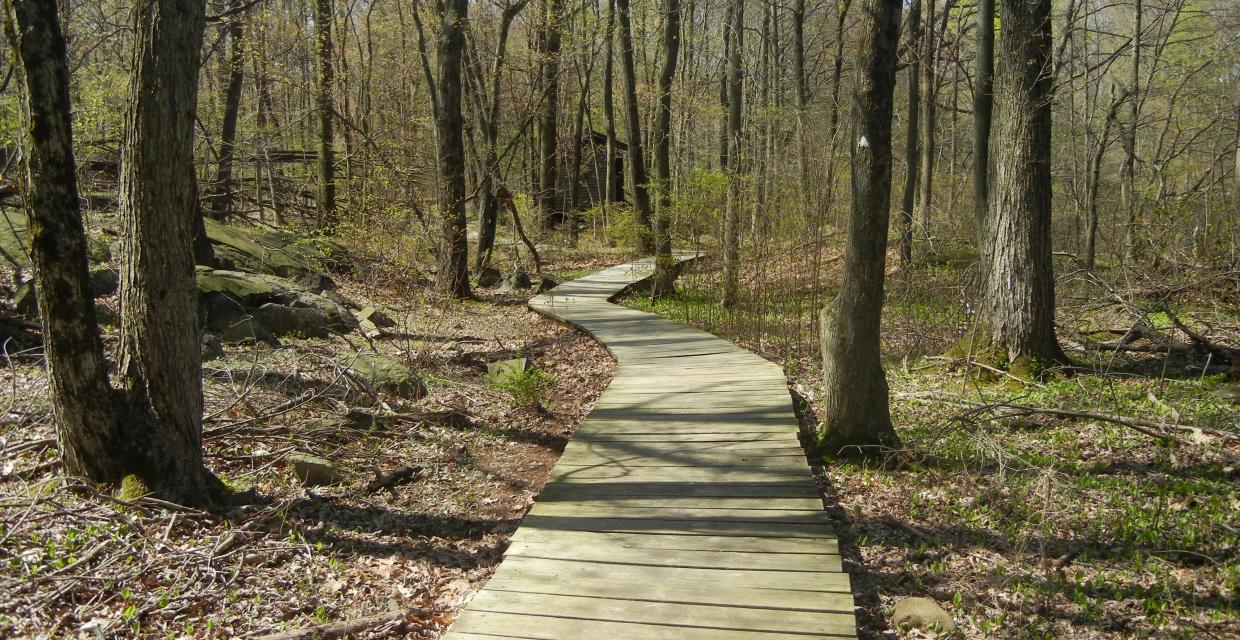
[912,139]
[82,400]
[732,215]
[983,103]
[223,196]
[857,418]
[453,277]
[548,125]
[1017,323]
[160,362]
[632,126]
[664,276]
[326,197]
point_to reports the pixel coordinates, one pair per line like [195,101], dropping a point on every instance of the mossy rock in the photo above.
[15,242]
[922,613]
[247,249]
[388,375]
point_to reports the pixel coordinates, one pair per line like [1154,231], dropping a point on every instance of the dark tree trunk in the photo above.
[802,96]
[326,166]
[929,97]
[1095,179]
[453,277]
[858,420]
[82,400]
[160,362]
[1131,248]
[912,137]
[548,124]
[983,103]
[222,200]
[735,30]
[633,130]
[609,105]
[1018,302]
[664,276]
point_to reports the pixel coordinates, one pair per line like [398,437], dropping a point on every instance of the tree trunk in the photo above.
[222,201]
[1017,323]
[453,277]
[929,96]
[857,417]
[632,126]
[664,276]
[160,362]
[983,103]
[1131,249]
[912,139]
[1095,179]
[802,96]
[326,200]
[609,107]
[548,125]
[732,216]
[82,400]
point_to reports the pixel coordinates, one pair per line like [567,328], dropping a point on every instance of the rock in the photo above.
[547,283]
[104,281]
[212,347]
[489,277]
[515,282]
[504,369]
[314,283]
[248,289]
[377,317]
[922,613]
[248,249]
[232,321]
[24,300]
[302,322]
[314,471]
[338,318]
[14,242]
[388,375]
[341,300]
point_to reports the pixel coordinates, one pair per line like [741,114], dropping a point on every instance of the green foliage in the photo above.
[528,388]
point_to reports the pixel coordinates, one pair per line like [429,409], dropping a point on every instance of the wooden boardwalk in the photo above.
[683,507]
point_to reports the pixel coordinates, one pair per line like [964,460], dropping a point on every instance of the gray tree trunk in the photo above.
[222,200]
[983,106]
[453,276]
[83,402]
[732,215]
[1017,323]
[912,138]
[857,417]
[632,127]
[548,123]
[160,362]
[664,276]
[326,197]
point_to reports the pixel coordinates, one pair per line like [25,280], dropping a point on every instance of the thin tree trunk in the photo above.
[1017,323]
[453,276]
[548,125]
[1095,179]
[929,96]
[1131,249]
[732,216]
[664,268]
[802,96]
[222,201]
[160,362]
[326,200]
[83,402]
[857,418]
[632,126]
[609,108]
[983,103]
[912,139]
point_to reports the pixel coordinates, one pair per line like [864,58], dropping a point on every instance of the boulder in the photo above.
[489,277]
[921,613]
[376,317]
[248,289]
[248,249]
[547,283]
[104,281]
[515,282]
[212,347]
[302,322]
[341,300]
[314,471]
[388,375]
[505,369]
[24,300]
[337,318]
[14,242]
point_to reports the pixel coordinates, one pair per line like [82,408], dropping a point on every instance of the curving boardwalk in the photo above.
[683,507]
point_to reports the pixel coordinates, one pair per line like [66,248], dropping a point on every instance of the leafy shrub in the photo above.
[528,387]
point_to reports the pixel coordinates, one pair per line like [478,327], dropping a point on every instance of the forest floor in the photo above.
[1024,524]
[79,562]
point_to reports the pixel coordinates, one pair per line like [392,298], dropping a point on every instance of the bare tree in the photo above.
[632,127]
[453,277]
[326,197]
[664,268]
[857,417]
[732,215]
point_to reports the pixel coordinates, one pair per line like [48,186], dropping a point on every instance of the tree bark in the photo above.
[732,215]
[453,276]
[222,200]
[609,106]
[1131,249]
[548,124]
[1017,320]
[929,97]
[912,138]
[160,362]
[326,196]
[83,402]
[632,126]
[857,416]
[664,276]
[983,103]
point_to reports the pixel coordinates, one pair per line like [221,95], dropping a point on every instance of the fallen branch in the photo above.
[345,628]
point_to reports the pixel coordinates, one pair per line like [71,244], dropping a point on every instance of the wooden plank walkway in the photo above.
[683,507]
